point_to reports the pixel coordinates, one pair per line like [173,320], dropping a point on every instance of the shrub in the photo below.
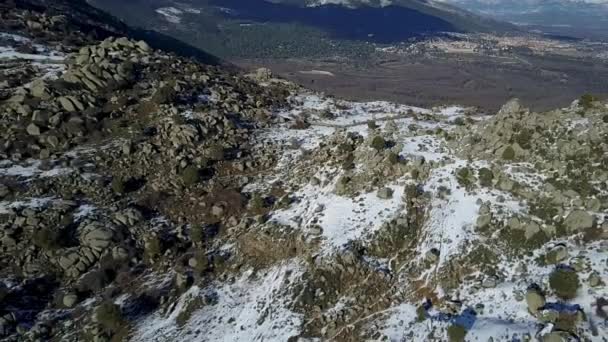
[109,316]
[459,121]
[190,175]
[393,158]
[256,202]
[152,246]
[586,101]
[456,333]
[485,176]
[197,233]
[508,153]
[46,238]
[465,177]
[349,162]
[118,185]
[215,152]
[564,282]
[372,125]
[378,143]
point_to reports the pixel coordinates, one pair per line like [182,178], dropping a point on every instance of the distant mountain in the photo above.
[289,28]
[573,17]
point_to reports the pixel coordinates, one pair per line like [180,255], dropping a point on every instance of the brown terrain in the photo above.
[541,82]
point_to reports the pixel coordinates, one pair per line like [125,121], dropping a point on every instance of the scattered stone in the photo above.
[579,220]
[385,193]
[32,129]
[535,299]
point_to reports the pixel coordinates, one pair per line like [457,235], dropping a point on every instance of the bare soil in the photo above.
[541,82]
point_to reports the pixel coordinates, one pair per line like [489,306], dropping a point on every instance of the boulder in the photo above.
[579,220]
[69,300]
[535,299]
[385,193]
[32,129]
[96,236]
[66,104]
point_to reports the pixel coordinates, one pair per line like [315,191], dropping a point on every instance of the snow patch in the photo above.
[252,308]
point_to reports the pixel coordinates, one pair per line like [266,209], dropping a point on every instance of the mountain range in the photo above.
[298,28]
[582,18]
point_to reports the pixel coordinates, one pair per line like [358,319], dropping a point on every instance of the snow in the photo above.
[84,211]
[14,37]
[10,53]
[452,111]
[451,222]
[31,168]
[34,203]
[252,308]
[171,14]
[316,72]
[342,219]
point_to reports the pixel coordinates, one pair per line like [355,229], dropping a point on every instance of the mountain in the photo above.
[587,19]
[259,28]
[149,196]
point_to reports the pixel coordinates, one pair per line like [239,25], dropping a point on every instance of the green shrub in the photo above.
[564,282]
[118,185]
[152,246]
[378,143]
[349,162]
[586,101]
[109,316]
[393,158]
[256,202]
[372,125]
[485,177]
[508,153]
[197,233]
[456,333]
[46,238]
[605,118]
[345,148]
[215,152]
[459,121]
[524,138]
[465,177]
[190,175]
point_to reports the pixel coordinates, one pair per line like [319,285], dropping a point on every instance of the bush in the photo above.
[485,177]
[109,316]
[190,175]
[349,162]
[465,177]
[586,101]
[564,282]
[508,153]
[215,152]
[46,238]
[456,333]
[256,202]
[152,246]
[459,121]
[197,233]
[393,158]
[118,185]
[372,125]
[378,143]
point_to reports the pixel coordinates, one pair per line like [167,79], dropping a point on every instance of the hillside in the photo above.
[147,196]
[259,28]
